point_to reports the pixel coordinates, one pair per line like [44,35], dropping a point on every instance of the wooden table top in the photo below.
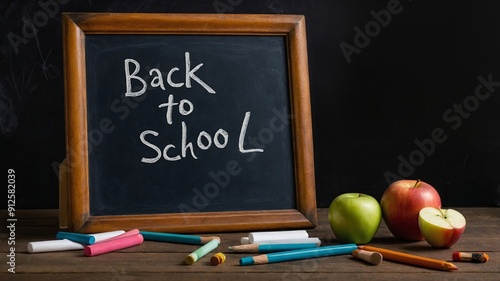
[164,261]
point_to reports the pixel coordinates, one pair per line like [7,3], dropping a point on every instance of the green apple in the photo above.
[441,227]
[354,217]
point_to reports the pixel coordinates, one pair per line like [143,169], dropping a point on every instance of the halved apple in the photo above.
[441,227]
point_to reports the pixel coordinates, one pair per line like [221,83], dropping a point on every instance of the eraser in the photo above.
[244,240]
[218,259]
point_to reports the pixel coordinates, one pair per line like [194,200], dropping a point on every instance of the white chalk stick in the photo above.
[106,235]
[292,241]
[244,240]
[126,234]
[53,246]
[255,237]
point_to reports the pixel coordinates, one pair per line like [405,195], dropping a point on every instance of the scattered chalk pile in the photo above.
[272,247]
[107,242]
[91,244]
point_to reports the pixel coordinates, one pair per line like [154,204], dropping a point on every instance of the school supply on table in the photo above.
[309,240]
[76,237]
[343,249]
[270,248]
[125,234]
[218,259]
[255,237]
[202,251]
[106,235]
[112,245]
[471,257]
[374,258]
[54,246]
[177,238]
[411,259]
[69,244]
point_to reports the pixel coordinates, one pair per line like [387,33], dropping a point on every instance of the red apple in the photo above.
[441,227]
[401,203]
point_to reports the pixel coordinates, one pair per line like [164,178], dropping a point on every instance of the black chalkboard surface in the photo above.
[192,125]
[170,151]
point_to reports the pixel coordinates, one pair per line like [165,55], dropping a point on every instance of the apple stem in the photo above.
[416,183]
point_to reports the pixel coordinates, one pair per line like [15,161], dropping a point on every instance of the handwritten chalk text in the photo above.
[187,146]
[157,80]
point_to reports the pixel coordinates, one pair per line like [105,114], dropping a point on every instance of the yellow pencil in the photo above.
[411,259]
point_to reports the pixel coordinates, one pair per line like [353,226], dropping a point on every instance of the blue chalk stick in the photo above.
[76,237]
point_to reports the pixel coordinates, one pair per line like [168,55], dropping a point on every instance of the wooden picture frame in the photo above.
[74,173]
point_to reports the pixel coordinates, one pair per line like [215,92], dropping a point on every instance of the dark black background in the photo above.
[367,114]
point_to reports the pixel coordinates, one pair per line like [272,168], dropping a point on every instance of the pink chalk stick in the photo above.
[126,234]
[112,245]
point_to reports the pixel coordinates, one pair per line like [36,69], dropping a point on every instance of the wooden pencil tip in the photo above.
[450,266]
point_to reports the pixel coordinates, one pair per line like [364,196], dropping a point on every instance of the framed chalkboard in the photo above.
[187,123]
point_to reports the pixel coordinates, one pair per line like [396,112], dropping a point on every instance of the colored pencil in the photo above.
[411,259]
[270,248]
[318,252]
[177,238]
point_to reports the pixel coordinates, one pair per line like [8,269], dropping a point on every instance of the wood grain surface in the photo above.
[164,261]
